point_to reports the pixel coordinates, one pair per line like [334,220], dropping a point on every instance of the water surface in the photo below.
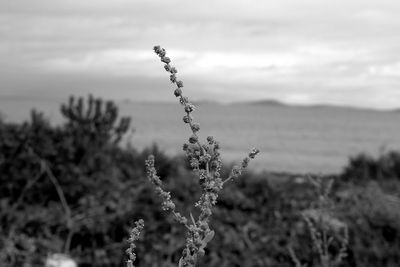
[294,139]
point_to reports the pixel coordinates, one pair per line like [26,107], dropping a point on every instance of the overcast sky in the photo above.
[342,52]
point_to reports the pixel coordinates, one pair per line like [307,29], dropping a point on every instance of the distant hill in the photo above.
[276,103]
[265,102]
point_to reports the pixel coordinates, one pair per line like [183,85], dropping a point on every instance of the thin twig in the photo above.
[64,203]
[63,200]
[28,185]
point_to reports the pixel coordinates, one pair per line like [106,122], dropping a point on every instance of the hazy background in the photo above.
[342,53]
[338,52]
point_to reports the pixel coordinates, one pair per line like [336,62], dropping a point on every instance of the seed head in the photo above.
[245,162]
[189,108]
[186,119]
[184,100]
[253,153]
[166,60]
[178,92]
[157,49]
[195,127]
[194,163]
[214,164]
[185,147]
[162,53]
[210,140]
[193,139]
[206,158]
[216,146]
[236,171]
[168,205]
[167,67]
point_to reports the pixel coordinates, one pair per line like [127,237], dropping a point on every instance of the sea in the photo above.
[296,139]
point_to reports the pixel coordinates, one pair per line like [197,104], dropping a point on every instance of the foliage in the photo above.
[61,186]
[363,167]
[105,187]
[328,234]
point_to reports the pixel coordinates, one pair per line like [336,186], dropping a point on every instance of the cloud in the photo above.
[391,70]
[302,51]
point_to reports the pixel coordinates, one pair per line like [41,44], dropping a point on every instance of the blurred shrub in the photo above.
[256,218]
[370,200]
[93,174]
[363,167]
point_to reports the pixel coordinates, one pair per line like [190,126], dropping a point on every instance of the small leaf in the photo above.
[208,238]
[201,252]
[193,220]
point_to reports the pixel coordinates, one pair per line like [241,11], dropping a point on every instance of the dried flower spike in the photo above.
[206,163]
[134,236]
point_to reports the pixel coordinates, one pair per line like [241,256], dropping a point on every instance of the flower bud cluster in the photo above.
[172,70]
[187,119]
[134,236]
[178,92]
[237,170]
[253,153]
[193,139]
[206,163]
[189,108]
[167,203]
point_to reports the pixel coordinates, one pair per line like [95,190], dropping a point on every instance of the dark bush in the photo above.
[363,168]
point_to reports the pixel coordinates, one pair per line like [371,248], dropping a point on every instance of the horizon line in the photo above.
[265,101]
